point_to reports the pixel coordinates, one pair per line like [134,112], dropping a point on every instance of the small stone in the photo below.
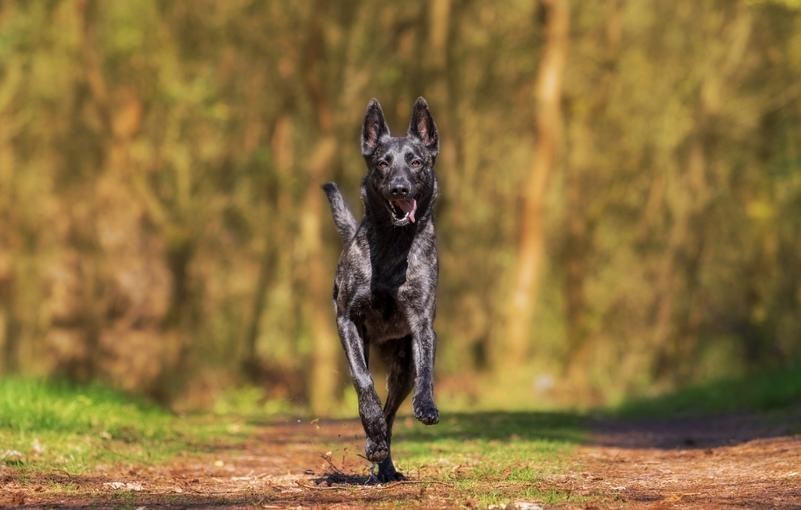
[130,486]
[37,447]
[526,505]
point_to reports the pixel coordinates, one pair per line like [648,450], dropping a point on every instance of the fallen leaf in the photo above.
[12,457]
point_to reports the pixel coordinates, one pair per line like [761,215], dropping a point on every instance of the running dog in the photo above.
[386,279]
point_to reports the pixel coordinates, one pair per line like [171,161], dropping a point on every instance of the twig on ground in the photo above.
[318,488]
[381,486]
[333,466]
[411,482]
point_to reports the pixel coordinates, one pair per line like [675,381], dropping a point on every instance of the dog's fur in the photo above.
[386,279]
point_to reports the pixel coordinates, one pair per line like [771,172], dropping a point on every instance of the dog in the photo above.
[386,278]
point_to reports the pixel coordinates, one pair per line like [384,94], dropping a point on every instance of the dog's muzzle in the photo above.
[402,210]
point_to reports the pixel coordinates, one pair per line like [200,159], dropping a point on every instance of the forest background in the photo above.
[620,210]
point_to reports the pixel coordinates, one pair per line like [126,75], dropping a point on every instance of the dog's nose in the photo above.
[399,189]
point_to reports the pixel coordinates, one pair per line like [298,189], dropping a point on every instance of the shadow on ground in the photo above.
[306,499]
[573,428]
[703,432]
[700,416]
[680,432]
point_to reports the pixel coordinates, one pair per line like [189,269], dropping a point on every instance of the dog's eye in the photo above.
[382,165]
[416,163]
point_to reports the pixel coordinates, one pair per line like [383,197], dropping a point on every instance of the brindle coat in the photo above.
[386,279]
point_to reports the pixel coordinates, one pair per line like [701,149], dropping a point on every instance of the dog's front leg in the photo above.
[375,426]
[423,346]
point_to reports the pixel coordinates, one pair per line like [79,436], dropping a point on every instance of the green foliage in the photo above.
[250,402]
[775,390]
[162,227]
[58,425]
[35,405]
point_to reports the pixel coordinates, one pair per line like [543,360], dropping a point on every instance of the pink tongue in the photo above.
[407,206]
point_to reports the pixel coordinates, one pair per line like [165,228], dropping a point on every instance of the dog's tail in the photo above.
[343,218]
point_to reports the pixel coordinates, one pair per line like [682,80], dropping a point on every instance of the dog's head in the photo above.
[400,170]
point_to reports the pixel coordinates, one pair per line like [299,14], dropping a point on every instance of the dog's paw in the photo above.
[376,451]
[427,413]
[389,475]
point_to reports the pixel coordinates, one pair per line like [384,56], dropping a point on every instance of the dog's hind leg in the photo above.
[375,427]
[397,354]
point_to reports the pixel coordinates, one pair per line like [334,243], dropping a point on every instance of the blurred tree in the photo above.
[548,140]
[162,226]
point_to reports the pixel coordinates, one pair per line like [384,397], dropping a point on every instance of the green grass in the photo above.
[769,391]
[486,458]
[61,426]
[498,457]
[492,457]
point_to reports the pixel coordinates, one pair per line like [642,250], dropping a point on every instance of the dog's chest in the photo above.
[385,318]
[395,273]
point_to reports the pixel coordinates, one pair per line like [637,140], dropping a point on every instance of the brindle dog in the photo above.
[386,279]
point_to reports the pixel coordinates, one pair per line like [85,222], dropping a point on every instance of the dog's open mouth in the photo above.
[403,209]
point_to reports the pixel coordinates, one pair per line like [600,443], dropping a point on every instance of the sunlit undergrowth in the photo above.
[768,391]
[46,425]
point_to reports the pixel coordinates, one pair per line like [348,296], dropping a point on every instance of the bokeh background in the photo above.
[620,212]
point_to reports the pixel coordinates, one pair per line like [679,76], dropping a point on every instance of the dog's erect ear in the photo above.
[374,128]
[422,126]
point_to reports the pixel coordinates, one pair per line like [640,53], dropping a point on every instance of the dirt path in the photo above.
[721,462]
[733,461]
[283,465]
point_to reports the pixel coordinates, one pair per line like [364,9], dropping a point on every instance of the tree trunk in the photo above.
[579,223]
[676,326]
[576,247]
[11,327]
[179,318]
[281,148]
[316,305]
[317,302]
[548,137]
